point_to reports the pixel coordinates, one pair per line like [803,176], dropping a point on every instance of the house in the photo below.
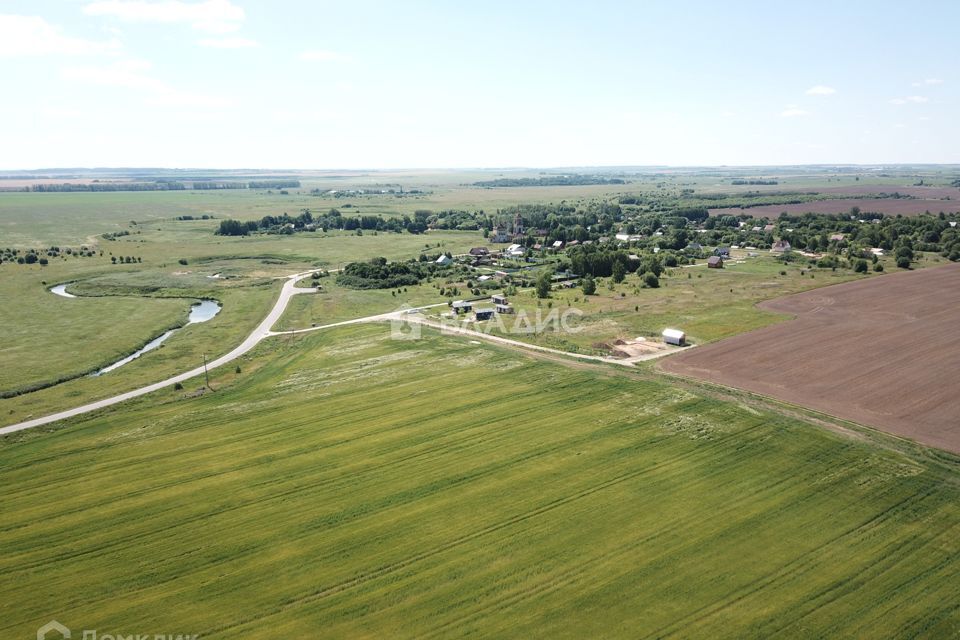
[557,245]
[603,239]
[498,298]
[768,228]
[461,306]
[573,243]
[722,252]
[780,246]
[500,234]
[876,251]
[479,251]
[623,237]
[500,275]
[483,314]
[484,278]
[837,237]
[515,250]
[633,256]
[443,260]
[694,246]
[504,308]
[715,262]
[674,336]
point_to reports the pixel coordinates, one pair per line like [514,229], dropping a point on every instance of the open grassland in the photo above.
[884,352]
[45,338]
[350,485]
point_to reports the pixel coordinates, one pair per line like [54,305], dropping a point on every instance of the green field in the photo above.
[350,485]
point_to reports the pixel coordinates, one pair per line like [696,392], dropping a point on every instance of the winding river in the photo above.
[199,312]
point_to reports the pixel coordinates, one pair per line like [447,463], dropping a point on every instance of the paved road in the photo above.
[262,331]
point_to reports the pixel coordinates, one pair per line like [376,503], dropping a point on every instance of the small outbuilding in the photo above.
[504,308]
[715,262]
[675,337]
[498,298]
[461,306]
[483,314]
[443,260]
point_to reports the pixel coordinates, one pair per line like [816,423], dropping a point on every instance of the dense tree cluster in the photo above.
[378,273]
[108,186]
[550,181]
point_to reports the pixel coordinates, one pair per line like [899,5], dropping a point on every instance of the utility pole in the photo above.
[205,374]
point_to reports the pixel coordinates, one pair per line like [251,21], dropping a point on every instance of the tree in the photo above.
[903,262]
[618,272]
[544,280]
[589,285]
[651,280]
[861,266]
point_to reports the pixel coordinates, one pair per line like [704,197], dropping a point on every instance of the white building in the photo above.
[443,260]
[674,336]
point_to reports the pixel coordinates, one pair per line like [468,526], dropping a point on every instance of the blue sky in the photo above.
[252,83]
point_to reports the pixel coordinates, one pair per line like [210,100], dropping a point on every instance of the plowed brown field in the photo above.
[887,206]
[883,352]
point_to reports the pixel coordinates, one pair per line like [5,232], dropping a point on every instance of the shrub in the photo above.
[903,262]
[878,268]
[178,387]
[182,261]
[651,280]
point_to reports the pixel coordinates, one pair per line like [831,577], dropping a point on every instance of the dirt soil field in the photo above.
[929,193]
[888,206]
[883,352]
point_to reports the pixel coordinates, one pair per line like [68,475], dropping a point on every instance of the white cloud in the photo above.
[910,99]
[34,36]
[928,82]
[134,74]
[792,111]
[228,43]
[214,16]
[323,56]
[821,90]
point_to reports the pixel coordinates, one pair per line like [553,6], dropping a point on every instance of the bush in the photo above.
[178,387]
[589,286]
[878,268]
[182,261]
[903,262]
[651,280]
[860,266]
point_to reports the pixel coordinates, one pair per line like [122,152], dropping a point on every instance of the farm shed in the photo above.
[504,308]
[723,252]
[479,251]
[674,336]
[715,262]
[461,306]
[498,298]
[483,314]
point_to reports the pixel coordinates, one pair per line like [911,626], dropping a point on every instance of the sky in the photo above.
[317,84]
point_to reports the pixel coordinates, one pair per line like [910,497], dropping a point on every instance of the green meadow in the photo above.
[350,485]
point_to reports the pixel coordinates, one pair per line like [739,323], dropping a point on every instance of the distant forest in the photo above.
[549,181]
[162,185]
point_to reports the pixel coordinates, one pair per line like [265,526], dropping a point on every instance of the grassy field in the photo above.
[349,485]
[45,338]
